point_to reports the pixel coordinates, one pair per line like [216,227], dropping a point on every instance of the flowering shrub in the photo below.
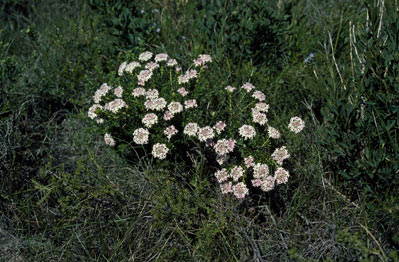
[160,109]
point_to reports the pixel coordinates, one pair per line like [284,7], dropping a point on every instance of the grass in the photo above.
[66,196]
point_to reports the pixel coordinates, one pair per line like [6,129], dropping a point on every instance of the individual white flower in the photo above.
[175,107]
[160,150]
[131,66]
[240,190]
[140,136]
[171,62]
[182,91]
[273,133]
[281,175]
[247,132]
[205,133]
[236,173]
[267,183]
[99,120]
[248,87]
[151,94]
[118,91]
[222,175]
[115,105]
[170,131]
[92,110]
[139,91]
[259,96]
[150,119]
[230,89]
[261,170]
[161,57]
[262,107]
[151,66]
[226,188]
[219,127]
[121,68]
[296,124]
[109,140]
[190,104]
[144,76]
[280,154]
[145,56]
[191,129]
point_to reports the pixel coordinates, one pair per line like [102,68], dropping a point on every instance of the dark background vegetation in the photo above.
[65,196]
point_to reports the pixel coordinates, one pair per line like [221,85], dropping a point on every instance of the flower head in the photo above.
[145,56]
[205,133]
[160,150]
[226,188]
[247,132]
[121,68]
[240,190]
[222,175]
[175,107]
[236,173]
[190,104]
[224,146]
[248,87]
[273,133]
[296,124]
[150,119]
[140,136]
[259,96]
[230,89]
[151,66]
[191,129]
[92,110]
[109,140]
[118,91]
[170,131]
[280,154]
[115,105]
[131,66]
[219,127]
[139,91]
[281,175]
[171,62]
[262,107]
[182,91]
[267,183]
[249,161]
[161,57]
[144,76]
[261,170]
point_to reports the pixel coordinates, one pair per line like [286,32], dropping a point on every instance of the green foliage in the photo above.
[361,119]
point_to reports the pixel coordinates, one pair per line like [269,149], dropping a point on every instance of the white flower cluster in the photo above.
[140,136]
[145,97]
[202,60]
[190,74]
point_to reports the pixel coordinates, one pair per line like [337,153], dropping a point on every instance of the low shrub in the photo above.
[159,109]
